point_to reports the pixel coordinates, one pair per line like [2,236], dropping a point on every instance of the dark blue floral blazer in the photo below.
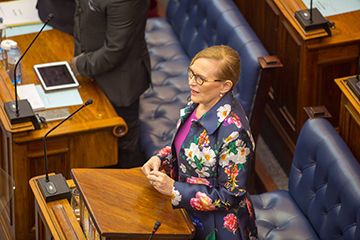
[212,172]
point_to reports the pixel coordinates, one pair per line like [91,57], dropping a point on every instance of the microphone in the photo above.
[55,187]
[156,226]
[311,11]
[312,19]
[354,83]
[21,111]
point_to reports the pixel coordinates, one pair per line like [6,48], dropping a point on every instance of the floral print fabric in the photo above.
[212,172]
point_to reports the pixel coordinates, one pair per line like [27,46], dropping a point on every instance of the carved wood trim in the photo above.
[64,221]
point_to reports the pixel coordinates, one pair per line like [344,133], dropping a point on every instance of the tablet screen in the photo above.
[55,76]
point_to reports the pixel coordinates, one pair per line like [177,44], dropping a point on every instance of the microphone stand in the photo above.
[156,227]
[55,187]
[22,111]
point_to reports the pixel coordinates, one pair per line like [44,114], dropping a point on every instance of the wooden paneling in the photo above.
[310,63]
[354,136]
[270,33]
[288,89]
[349,127]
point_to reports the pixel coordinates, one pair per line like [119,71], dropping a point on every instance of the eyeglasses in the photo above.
[198,79]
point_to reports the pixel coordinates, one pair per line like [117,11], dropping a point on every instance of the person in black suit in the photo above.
[110,47]
[63,11]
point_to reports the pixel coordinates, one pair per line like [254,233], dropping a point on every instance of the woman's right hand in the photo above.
[153,164]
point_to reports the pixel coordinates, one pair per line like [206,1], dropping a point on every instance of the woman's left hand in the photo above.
[161,182]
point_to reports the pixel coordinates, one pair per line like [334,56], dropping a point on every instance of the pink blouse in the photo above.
[183,132]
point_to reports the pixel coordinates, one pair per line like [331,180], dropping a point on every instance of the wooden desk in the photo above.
[89,139]
[123,205]
[54,220]
[7,188]
[349,125]
[310,61]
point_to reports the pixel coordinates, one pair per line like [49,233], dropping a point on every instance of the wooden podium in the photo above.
[121,204]
[88,139]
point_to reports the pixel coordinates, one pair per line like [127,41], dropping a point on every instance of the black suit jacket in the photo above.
[111,34]
[63,11]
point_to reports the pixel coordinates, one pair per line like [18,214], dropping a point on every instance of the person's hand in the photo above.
[153,164]
[73,65]
[161,182]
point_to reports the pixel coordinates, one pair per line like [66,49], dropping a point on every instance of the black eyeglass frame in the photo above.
[191,75]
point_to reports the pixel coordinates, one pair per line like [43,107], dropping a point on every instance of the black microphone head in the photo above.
[157,225]
[50,17]
[88,102]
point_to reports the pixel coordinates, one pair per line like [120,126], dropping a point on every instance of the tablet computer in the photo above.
[55,76]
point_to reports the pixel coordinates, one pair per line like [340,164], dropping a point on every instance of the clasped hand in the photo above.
[159,180]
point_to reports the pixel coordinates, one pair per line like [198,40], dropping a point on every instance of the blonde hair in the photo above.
[229,61]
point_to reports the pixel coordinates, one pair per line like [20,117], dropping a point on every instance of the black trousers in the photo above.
[130,154]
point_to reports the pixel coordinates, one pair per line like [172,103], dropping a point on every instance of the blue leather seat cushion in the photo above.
[278,217]
[323,200]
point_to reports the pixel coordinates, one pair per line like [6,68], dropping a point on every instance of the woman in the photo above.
[211,152]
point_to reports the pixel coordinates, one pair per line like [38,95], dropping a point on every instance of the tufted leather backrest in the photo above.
[325,181]
[203,23]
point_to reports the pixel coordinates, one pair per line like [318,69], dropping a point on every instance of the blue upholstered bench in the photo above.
[189,27]
[323,201]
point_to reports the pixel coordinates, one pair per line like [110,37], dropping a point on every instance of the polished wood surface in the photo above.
[88,139]
[53,46]
[349,127]
[124,205]
[54,220]
[311,61]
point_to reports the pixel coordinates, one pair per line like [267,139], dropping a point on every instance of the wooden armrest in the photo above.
[267,72]
[268,66]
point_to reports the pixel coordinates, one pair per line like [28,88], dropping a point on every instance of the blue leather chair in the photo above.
[189,27]
[323,201]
